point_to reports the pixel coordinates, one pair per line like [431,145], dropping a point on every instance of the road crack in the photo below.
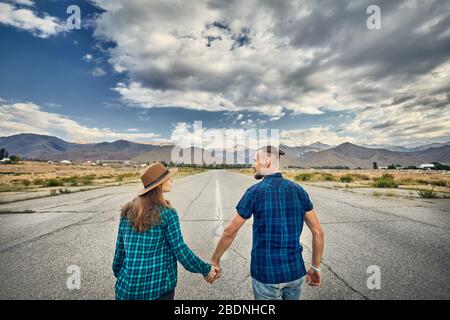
[45,235]
[188,208]
[84,201]
[339,277]
[387,213]
[360,221]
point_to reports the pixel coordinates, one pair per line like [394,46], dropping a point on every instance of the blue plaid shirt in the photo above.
[145,263]
[278,207]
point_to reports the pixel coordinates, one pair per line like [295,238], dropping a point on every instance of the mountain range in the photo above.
[33,146]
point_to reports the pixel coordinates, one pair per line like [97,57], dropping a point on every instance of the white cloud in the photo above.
[185,135]
[28,3]
[98,72]
[273,57]
[300,137]
[29,118]
[393,125]
[87,57]
[419,112]
[165,51]
[42,26]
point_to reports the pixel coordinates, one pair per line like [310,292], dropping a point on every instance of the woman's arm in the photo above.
[182,252]
[119,255]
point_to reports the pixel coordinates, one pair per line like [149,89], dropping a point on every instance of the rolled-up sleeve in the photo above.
[182,252]
[306,202]
[246,205]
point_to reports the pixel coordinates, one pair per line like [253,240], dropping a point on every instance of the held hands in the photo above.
[313,278]
[214,273]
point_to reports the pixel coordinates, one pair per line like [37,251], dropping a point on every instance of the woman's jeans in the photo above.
[280,291]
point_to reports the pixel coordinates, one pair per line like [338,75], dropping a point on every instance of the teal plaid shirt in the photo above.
[145,263]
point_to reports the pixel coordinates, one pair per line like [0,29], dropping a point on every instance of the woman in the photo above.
[149,243]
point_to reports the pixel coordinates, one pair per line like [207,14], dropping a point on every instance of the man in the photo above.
[279,208]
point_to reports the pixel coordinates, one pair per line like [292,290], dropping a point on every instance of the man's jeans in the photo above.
[280,291]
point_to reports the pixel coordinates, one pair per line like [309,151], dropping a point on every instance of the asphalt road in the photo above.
[409,240]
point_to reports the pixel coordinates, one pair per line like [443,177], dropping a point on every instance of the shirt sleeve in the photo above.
[246,206]
[182,252]
[119,255]
[307,204]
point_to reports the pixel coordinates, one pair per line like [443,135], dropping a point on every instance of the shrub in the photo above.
[26,182]
[71,181]
[303,177]
[328,177]
[53,183]
[427,193]
[87,180]
[385,181]
[346,178]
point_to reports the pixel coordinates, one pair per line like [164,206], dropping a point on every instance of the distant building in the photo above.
[65,162]
[426,166]
[114,163]
[5,161]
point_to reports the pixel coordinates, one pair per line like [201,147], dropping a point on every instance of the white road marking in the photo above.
[218,229]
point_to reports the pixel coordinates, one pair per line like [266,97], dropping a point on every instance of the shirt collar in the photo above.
[274,175]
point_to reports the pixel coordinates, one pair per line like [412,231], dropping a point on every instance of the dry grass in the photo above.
[385,194]
[187,171]
[367,177]
[402,179]
[406,177]
[419,181]
[32,175]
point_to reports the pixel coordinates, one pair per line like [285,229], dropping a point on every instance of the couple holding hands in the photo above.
[149,241]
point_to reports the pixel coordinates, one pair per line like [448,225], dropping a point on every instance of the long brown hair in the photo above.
[143,211]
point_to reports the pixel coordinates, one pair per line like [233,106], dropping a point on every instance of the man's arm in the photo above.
[313,224]
[227,238]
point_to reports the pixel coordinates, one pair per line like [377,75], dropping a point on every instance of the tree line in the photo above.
[4,154]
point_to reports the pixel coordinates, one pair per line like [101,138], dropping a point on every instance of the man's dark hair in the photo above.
[272,150]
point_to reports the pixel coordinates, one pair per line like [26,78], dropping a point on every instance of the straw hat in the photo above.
[154,176]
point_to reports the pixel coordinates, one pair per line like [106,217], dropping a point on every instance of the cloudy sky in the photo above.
[145,70]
